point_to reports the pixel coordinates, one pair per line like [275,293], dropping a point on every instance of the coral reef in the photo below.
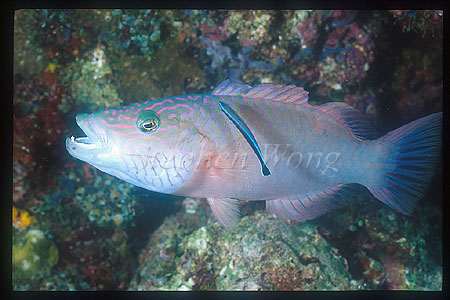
[417,83]
[159,75]
[92,86]
[304,25]
[262,253]
[421,21]
[365,102]
[347,54]
[37,126]
[88,228]
[106,199]
[30,60]
[388,250]
[135,31]
[251,27]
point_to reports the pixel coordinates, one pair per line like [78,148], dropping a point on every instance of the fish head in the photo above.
[152,144]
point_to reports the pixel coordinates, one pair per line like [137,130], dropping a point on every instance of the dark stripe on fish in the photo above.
[243,128]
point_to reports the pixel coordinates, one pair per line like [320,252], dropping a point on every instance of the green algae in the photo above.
[33,254]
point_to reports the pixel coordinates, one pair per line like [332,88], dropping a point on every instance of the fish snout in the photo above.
[94,140]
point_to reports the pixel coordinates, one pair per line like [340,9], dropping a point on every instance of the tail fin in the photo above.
[409,168]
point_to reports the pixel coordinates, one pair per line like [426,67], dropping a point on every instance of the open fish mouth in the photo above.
[94,140]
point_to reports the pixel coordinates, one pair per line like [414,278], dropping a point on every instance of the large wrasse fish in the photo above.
[260,143]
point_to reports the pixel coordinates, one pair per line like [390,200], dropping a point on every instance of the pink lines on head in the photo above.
[186,115]
[194,98]
[126,118]
[158,103]
[117,125]
[122,117]
[191,113]
[154,99]
[205,99]
[202,112]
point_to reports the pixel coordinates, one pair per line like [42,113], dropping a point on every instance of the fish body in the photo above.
[319,157]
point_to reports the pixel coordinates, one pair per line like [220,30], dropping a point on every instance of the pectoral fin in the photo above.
[248,135]
[226,210]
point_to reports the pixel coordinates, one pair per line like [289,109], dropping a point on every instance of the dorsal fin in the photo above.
[267,91]
[228,88]
[352,119]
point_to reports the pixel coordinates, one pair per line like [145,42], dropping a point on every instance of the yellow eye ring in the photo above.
[148,122]
[149,125]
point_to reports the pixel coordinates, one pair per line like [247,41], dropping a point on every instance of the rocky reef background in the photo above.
[76,228]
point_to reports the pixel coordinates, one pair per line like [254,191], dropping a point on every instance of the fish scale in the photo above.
[260,143]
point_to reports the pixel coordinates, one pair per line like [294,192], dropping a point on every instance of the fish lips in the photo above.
[87,148]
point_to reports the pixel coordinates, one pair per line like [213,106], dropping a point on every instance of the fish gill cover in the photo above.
[77,228]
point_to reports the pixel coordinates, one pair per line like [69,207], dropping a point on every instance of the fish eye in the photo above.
[148,121]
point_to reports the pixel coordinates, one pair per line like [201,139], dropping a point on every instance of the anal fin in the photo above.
[314,204]
[226,210]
